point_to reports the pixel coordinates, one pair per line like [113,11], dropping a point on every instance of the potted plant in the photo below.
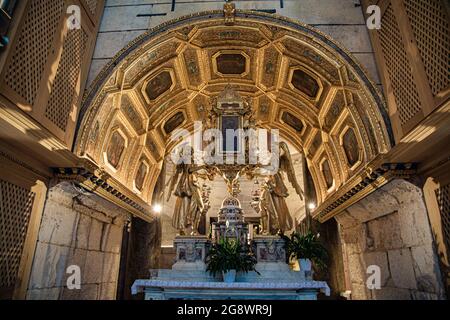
[306,248]
[229,257]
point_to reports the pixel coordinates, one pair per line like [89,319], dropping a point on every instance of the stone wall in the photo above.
[334,274]
[390,229]
[77,228]
[341,19]
[143,252]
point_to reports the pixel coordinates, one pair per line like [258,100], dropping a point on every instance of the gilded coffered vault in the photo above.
[298,80]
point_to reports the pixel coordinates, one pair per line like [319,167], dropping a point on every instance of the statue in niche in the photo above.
[189,206]
[275,216]
[268,219]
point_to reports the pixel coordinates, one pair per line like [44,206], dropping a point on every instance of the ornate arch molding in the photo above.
[185,69]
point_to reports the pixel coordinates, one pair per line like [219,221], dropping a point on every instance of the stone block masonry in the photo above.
[390,229]
[81,229]
[124,20]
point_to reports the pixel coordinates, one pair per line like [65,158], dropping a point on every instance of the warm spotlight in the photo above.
[157,208]
[311,206]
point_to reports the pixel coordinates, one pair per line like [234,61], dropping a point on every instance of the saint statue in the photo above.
[189,205]
[275,216]
[268,223]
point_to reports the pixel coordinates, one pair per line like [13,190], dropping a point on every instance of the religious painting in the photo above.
[231,63]
[115,149]
[174,122]
[351,148]
[158,85]
[305,83]
[140,176]
[292,121]
[232,123]
[327,174]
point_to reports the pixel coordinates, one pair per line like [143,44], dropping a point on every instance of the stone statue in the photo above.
[268,223]
[189,205]
[275,216]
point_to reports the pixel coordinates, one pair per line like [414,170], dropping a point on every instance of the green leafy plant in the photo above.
[229,255]
[306,246]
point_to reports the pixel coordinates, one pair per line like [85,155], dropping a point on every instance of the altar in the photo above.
[188,278]
[204,290]
[201,270]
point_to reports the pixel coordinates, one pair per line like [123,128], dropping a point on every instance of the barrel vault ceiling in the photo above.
[313,92]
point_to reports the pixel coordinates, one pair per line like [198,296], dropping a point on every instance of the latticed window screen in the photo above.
[443,197]
[64,90]
[430,25]
[15,210]
[34,43]
[398,68]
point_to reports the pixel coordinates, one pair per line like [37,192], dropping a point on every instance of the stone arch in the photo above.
[289,67]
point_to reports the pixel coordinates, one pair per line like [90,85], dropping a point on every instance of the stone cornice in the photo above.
[362,185]
[104,185]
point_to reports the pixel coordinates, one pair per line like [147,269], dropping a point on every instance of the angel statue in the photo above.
[275,216]
[189,205]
